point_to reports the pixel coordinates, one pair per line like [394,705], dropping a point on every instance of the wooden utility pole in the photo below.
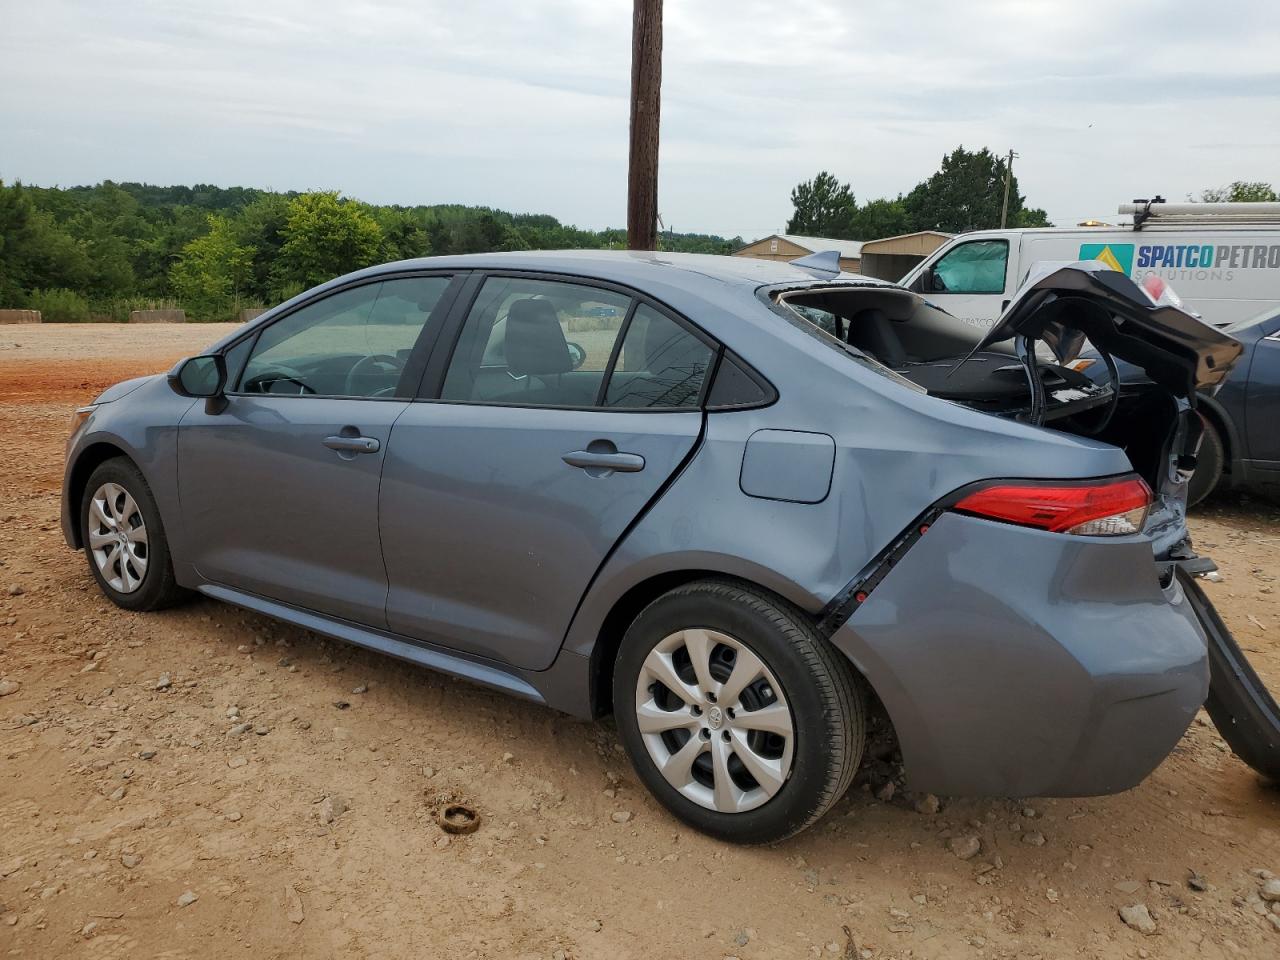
[646,108]
[1008,179]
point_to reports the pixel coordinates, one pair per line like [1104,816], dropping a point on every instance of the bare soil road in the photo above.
[172,785]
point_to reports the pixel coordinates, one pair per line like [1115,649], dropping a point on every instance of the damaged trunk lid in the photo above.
[1070,306]
[1065,305]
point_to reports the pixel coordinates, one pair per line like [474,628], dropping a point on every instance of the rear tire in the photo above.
[1210,462]
[759,738]
[124,539]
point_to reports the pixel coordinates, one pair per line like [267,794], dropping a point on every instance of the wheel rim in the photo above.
[118,538]
[715,720]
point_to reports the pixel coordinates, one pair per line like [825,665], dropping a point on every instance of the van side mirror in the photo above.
[199,376]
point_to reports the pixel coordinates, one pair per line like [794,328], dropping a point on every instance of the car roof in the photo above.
[718,293]
[636,267]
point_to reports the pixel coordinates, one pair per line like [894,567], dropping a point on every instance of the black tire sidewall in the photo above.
[1209,465]
[792,807]
[157,582]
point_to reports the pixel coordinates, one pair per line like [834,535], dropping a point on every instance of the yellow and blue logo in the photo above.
[1117,256]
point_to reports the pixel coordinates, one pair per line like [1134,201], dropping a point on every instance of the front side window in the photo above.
[975,267]
[536,342]
[354,343]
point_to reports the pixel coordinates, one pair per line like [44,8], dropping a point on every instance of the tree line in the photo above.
[966,193]
[97,252]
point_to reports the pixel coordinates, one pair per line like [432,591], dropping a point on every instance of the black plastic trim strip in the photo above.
[856,592]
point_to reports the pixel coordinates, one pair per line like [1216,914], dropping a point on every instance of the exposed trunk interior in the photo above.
[934,350]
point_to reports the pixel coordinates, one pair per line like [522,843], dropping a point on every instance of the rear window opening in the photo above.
[903,336]
[931,349]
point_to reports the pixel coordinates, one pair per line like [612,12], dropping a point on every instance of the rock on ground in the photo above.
[1138,917]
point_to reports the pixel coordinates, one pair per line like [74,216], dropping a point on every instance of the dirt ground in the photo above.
[124,796]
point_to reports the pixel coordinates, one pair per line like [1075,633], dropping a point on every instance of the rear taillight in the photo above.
[1101,508]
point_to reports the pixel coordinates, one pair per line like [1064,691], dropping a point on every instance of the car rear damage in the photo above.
[1035,579]
[1024,368]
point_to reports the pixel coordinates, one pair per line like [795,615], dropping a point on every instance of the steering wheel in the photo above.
[262,382]
[382,363]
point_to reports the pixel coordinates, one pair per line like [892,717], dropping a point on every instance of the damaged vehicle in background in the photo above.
[739,504]
[1240,450]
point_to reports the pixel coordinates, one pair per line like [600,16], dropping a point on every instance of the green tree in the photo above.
[1241,191]
[325,236]
[34,250]
[260,226]
[823,207]
[877,219]
[210,274]
[965,194]
[1030,217]
[404,233]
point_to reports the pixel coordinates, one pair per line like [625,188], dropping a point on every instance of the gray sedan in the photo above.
[742,505]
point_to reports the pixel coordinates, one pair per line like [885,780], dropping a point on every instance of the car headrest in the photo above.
[535,343]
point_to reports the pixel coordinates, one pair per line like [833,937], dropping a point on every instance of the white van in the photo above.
[1223,259]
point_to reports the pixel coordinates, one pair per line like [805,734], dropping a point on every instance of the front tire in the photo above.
[124,539]
[738,717]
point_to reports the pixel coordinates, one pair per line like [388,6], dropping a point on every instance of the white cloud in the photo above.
[523,105]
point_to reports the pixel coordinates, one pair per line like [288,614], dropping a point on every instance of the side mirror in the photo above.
[577,355]
[199,376]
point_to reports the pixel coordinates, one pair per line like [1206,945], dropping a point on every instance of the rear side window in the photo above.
[542,343]
[662,365]
[552,343]
[975,267]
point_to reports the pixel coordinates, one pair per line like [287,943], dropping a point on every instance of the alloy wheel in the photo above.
[118,538]
[714,720]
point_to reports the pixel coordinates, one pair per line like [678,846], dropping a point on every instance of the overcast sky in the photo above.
[522,104]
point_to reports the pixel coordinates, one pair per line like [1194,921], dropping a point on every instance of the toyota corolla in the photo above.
[738,504]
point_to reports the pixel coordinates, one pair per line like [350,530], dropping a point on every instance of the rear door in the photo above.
[562,411]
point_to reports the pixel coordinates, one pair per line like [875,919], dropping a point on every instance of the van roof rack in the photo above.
[1158,212]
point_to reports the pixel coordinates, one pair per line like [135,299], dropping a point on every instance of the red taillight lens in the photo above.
[1106,508]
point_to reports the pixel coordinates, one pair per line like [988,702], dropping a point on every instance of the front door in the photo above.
[279,490]
[565,409]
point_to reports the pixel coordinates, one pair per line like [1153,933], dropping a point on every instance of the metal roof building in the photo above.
[790,246]
[887,259]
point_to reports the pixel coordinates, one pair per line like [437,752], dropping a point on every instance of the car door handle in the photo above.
[598,463]
[352,444]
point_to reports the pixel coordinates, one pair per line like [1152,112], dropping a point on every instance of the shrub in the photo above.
[59,306]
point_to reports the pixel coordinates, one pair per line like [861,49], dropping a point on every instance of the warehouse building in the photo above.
[789,246]
[887,259]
